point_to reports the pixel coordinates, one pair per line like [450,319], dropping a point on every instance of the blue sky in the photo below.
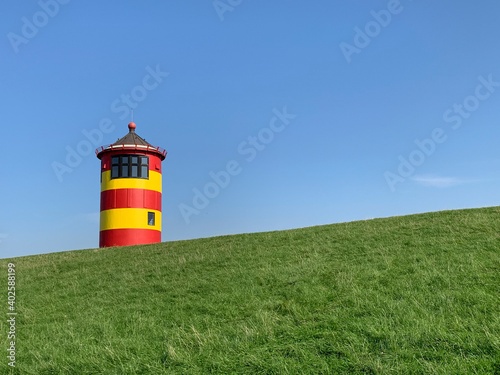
[385,108]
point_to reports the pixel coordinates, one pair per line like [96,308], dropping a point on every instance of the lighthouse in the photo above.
[130,191]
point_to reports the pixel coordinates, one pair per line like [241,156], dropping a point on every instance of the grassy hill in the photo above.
[406,295]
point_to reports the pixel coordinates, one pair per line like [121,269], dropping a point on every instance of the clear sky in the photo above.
[324,111]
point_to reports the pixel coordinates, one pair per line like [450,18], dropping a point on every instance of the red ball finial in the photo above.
[131,126]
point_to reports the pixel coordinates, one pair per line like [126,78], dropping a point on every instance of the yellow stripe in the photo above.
[154,182]
[136,218]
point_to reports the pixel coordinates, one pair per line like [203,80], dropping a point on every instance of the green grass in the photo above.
[406,295]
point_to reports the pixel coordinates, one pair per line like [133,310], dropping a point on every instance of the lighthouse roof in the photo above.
[131,138]
[131,141]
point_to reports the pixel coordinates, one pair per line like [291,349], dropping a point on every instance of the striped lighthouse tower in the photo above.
[130,191]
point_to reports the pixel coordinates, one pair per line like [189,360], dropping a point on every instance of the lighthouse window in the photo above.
[130,166]
[135,171]
[151,218]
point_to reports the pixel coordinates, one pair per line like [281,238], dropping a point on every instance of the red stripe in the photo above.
[128,237]
[130,198]
[154,161]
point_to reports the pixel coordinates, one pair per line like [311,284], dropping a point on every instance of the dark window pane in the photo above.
[151,218]
[124,170]
[124,159]
[135,160]
[115,160]
[114,172]
[144,160]
[135,169]
[144,171]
